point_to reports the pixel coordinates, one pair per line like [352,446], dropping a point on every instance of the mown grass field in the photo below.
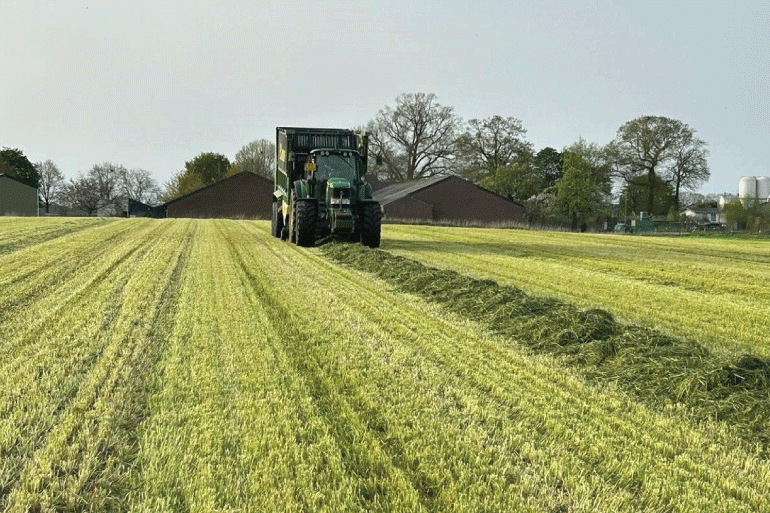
[182,365]
[714,290]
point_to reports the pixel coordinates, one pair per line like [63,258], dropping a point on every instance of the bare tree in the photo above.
[257,157]
[139,185]
[108,179]
[489,144]
[81,195]
[51,181]
[690,164]
[416,138]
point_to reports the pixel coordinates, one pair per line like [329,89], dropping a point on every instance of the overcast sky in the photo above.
[153,84]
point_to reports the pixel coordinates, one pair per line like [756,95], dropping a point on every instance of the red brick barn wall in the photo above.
[241,196]
[408,207]
[455,199]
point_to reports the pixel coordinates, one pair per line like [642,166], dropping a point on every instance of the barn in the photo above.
[139,209]
[243,195]
[449,199]
[17,198]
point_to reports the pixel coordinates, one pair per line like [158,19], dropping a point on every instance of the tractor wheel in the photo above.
[372,218]
[276,228]
[304,223]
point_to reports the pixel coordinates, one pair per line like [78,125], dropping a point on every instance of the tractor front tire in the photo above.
[304,223]
[372,220]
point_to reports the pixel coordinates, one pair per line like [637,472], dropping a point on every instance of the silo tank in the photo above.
[763,187]
[747,187]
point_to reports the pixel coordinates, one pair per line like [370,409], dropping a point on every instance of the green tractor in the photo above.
[320,189]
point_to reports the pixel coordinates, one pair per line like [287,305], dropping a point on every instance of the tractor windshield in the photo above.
[335,165]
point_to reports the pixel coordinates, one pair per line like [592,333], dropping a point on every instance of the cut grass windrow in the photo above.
[710,290]
[663,371]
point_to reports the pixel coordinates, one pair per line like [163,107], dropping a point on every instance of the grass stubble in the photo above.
[211,367]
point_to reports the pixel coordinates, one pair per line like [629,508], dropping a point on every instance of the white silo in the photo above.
[763,188]
[747,188]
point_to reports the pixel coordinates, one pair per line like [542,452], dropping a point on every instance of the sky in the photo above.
[152,84]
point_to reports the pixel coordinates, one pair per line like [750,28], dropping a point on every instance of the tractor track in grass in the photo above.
[332,403]
[443,358]
[28,234]
[111,368]
[38,271]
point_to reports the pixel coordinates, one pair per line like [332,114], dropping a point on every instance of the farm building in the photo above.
[704,216]
[17,198]
[139,209]
[446,198]
[240,196]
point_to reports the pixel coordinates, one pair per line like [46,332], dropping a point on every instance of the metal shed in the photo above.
[17,198]
[243,195]
[446,198]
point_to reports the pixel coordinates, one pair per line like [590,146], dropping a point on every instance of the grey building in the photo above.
[17,198]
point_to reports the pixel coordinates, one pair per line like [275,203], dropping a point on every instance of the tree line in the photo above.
[103,188]
[652,160]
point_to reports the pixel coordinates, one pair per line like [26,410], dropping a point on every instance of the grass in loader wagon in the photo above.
[662,371]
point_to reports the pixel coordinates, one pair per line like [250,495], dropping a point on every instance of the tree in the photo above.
[205,169]
[583,191]
[257,157]
[746,215]
[108,179]
[635,196]
[650,145]
[103,187]
[14,163]
[51,181]
[696,199]
[139,185]
[82,194]
[516,181]
[548,167]
[690,164]
[180,184]
[210,167]
[416,138]
[489,144]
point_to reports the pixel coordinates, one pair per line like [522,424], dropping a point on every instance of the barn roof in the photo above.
[215,184]
[15,179]
[397,191]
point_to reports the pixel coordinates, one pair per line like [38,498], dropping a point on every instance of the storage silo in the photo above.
[763,188]
[747,189]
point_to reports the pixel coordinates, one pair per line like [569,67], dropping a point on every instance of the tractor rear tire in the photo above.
[372,220]
[304,223]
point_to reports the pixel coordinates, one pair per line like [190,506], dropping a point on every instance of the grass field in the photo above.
[181,365]
[714,290]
